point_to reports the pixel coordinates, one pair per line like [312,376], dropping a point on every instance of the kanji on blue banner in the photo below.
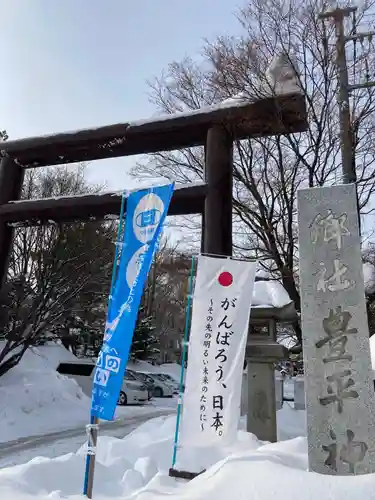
[145,213]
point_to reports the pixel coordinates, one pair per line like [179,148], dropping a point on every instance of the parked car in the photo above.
[171,380]
[82,371]
[160,388]
[132,391]
[171,383]
[141,377]
[146,379]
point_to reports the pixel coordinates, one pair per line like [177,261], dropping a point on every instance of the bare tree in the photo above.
[165,296]
[269,171]
[56,271]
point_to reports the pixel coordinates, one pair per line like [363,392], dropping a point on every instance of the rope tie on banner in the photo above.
[90,429]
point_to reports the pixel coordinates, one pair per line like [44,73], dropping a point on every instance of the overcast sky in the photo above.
[70,64]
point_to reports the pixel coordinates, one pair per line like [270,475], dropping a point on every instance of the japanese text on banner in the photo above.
[221,310]
[145,214]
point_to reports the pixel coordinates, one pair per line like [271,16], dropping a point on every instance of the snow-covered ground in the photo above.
[36,400]
[59,443]
[136,467]
[123,465]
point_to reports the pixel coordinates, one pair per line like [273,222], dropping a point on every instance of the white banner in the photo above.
[219,327]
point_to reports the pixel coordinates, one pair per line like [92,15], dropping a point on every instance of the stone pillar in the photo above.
[217,222]
[279,392]
[338,376]
[262,352]
[299,393]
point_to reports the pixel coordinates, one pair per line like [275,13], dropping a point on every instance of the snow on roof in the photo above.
[141,185]
[281,79]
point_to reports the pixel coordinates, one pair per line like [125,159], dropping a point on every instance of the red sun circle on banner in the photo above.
[225,279]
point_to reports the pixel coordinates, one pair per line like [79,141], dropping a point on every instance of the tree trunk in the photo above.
[12,361]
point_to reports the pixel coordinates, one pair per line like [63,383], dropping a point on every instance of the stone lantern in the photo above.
[262,353]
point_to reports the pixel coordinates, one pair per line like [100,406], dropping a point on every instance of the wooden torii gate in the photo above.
[215,127]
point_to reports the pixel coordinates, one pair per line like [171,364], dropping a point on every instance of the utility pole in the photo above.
[347,146]
[338,15]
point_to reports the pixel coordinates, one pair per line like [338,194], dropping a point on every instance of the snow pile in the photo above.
[281,78]
[35,399]
[172,369]
[137,466]
[270,294]
[142,366]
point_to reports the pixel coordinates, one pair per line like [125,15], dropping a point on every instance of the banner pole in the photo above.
[92,431]
[93,428]
[119,232]
[183,360]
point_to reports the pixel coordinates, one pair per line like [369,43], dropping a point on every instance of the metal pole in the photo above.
[93,428]
[92,431]
[183,360]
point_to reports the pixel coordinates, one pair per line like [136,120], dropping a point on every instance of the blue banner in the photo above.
[145,213]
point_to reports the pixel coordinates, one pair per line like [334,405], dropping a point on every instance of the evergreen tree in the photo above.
[144,345]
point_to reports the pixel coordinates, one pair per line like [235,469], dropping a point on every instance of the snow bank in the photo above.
[123,466]
[142,366]
[35,399]
[137,466]
[172,369]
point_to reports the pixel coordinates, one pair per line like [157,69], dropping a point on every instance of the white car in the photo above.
[160,389]
[132,392]
[169,381]
[172,380]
